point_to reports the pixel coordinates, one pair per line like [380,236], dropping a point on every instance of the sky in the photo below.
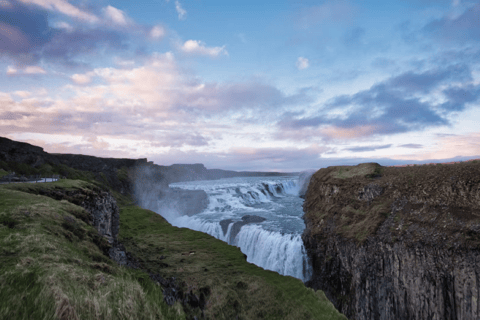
[244,85]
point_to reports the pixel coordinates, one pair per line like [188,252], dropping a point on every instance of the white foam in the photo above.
[226,196]
[272,250]
[284,254]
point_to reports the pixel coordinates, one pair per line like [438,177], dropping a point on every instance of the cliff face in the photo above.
[396,243]
[101,206]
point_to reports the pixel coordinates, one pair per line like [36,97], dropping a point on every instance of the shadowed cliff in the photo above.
[396,243]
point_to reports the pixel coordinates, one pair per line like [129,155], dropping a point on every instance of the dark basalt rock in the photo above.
[239,224]
[252,219]
[224,224]
[370,192]
[404,247]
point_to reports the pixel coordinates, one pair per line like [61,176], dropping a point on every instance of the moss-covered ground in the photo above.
[438,195]
[52,267]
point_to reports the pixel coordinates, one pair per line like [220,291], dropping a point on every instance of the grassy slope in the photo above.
[48,272]
[59,272]
[3,173]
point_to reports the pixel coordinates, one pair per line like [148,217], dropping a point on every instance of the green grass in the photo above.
[368,170]
[3,173]
[220,267]
[54,258]
[48,271]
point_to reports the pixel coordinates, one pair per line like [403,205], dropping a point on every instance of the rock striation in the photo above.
[396,243]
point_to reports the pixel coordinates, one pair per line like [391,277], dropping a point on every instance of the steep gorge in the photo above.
[396,243]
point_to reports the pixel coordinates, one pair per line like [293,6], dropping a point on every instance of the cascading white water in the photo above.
[284,254]
[274,244]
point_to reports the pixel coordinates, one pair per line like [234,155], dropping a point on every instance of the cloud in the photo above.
[116,15]
[302,63]
[180,139]
[250,159]
[29,70]
[81,145]
[411,145]
[34,70]
[337,11]
[254,95]
[449,146]
[196,47]
[395,105]
[354,37]
[27,36]
[182,13]
[64,25]
[364,149]
[157,32]
[66,46]
[81,78]
[98,144]
[461,29]
[424,82]
[23,94]
[155,107]
[64,7]
[383,63]
[22,30]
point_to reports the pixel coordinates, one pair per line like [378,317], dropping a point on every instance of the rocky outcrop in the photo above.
[396,243]
[101,212]
[246,219]
[105,215]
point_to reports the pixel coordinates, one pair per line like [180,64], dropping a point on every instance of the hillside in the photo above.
[82,249]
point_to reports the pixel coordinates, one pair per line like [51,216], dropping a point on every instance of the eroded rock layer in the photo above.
[396,243]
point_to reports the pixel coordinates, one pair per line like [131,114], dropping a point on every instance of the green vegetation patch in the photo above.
[3,173]
[206,264]
[51,266]
[369,170]
[122,174]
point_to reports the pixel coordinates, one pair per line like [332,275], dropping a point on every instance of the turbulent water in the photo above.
[274,244]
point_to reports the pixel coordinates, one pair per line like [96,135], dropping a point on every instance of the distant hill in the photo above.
[26,159]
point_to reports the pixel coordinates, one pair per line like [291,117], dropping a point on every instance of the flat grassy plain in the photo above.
[52,267]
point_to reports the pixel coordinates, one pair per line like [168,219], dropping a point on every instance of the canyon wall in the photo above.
[396,243]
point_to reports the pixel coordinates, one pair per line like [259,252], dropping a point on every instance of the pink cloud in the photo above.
[199,48]
[64,7]
[115,15]
[449,147]
[333,132]
[13,40]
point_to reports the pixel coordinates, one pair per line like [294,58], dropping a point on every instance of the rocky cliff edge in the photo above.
[396,243]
